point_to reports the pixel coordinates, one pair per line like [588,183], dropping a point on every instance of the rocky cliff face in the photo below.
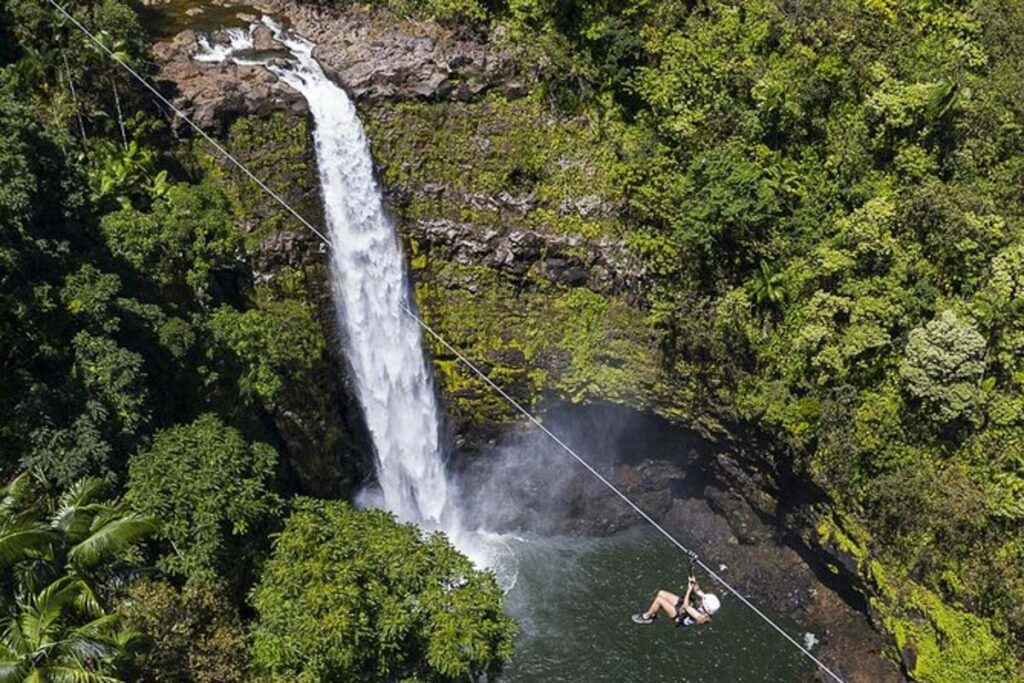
[511,220]
[604,266]
[375,57]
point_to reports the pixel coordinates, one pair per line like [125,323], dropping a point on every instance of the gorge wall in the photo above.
[510,216]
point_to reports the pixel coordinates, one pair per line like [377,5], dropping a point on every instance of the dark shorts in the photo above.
[682,618]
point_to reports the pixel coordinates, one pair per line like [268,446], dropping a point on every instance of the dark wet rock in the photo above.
[601,265]
[287,249]
[742,518]
[213,95]
[909,657]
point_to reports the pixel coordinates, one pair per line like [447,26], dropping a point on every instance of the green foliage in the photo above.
[825,199]
[275,148]
[445,11]
[477,154]
[944,365]
[113,376]
[59,555]
[113,260]
[947,644]
[187,236]
[354,595]
[195,633]
[210,491]
[276,345]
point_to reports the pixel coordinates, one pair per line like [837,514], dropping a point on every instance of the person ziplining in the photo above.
[685,611]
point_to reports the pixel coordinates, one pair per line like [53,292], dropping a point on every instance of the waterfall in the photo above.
[383,345]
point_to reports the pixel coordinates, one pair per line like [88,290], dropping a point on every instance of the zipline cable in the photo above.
[694,558]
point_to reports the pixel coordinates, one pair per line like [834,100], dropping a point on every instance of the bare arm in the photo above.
[695,614]
[692,611]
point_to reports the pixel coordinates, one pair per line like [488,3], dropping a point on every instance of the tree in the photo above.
[187,236]
[57,556]
[354,595]
[195,632]
[943,366]
[39,644]
[275,344]
[209,489]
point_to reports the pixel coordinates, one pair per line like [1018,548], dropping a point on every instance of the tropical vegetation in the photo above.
[161,404]
[827,202]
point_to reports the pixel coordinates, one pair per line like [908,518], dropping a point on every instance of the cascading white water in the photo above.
[383,344]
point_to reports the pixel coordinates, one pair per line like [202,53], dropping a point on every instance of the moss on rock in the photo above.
[452,160]
[939,643]
[316,420]
[277,150]
[542,341]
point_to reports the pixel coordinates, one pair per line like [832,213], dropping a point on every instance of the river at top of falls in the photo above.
[383,345]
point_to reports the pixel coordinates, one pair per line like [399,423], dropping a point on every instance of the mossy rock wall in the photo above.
[321,428]
[934,640]
[499,164]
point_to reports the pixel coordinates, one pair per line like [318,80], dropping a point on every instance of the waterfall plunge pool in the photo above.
[575,570]
[573,598]
[581,563]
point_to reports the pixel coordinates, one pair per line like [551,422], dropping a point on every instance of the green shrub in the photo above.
[353,595]
[208,489]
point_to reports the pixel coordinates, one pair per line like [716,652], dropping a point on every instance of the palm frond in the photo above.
[78,506]
[101,627]
[13,671]
[111,539]
[74,674]
[89,649]
[18,540]
[36,572]
[13,639]
[43,610]
[15,493]
[86,601]
[133,641]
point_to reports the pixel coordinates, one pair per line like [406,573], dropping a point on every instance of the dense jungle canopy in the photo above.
[828,202]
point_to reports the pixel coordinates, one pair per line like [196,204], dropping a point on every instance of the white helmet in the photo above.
[710,603]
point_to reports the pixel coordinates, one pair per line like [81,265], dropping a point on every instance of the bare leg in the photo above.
[663,601]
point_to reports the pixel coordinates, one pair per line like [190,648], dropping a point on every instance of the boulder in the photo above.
[263,40]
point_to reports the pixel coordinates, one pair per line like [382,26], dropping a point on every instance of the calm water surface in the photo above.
[573,599]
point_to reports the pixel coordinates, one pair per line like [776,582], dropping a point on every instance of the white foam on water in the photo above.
[238,39]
